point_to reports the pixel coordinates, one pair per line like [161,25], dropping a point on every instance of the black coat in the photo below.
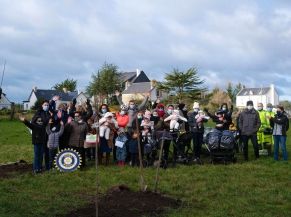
[193,125]
[39,136]
[249,122]
[280,120]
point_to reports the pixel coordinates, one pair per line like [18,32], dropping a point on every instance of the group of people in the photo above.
[133,127]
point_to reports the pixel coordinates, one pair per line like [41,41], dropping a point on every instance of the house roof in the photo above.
[48,94]
[254,91]
[4,96]
[127,76]
[142,77]
[142,87]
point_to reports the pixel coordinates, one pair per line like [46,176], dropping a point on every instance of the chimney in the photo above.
[137,72]
[65,90]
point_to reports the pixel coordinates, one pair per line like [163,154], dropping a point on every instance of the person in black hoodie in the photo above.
[197,130]
[280,125]
[45,114]
[38,140]
[183,110]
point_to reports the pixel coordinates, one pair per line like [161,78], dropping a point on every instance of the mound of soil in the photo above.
[122,202]
[11,169]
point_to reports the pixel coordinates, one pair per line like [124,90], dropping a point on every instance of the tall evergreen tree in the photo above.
[69,84]
[185,84]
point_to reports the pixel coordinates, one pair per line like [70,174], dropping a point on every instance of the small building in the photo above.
[263,95]
[137,84]
[42,94]
[4,102]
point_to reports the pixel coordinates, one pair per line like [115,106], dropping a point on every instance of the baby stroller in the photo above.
[221,146]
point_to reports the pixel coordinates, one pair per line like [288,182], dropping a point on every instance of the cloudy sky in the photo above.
[45,42]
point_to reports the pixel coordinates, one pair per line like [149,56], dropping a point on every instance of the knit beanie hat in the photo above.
[250,102]
[196,105]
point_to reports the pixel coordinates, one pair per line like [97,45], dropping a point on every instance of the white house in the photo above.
[137,84]
[41,94]
[263,95]
[4,102]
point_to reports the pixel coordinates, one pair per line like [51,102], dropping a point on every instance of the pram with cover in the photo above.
[221,145]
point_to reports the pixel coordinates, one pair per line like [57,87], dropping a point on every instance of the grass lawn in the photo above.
[255,188]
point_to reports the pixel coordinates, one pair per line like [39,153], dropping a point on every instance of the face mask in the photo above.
[260,108]
[250,107]
[39,122]
[169,111]
[196,110]
[139,116]
[45,108]
[122,113]
[223,109]
[131,106]
[269,109]
[279,113]
[104,111]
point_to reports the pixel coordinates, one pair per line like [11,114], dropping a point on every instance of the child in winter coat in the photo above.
[200,118]
[105,125]
[147,125]
[121,147]
[122,116]
[133,148]
[174,118]
[53,140]
[39,140]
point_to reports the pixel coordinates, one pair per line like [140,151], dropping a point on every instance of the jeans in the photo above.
[46,157]
[197,144]
[38,157]
[280,141]
[245,140]
[52,154]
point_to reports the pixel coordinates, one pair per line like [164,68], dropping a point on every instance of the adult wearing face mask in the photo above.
[280,124]
[265,125]
[77,130]
[197,130]
[133,109]
[103,109]
[249,124]
[45,116]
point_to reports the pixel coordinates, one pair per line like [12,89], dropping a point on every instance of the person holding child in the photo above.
[196,124]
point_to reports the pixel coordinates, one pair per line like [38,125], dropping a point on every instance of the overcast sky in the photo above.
[45,42]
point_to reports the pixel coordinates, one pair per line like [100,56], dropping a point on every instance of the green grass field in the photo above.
[255,188]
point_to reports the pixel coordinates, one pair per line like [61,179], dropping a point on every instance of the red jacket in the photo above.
[122,120]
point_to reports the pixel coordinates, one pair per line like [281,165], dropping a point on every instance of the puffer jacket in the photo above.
[77,132]
[249,122]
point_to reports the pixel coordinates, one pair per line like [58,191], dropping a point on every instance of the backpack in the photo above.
[213,139]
